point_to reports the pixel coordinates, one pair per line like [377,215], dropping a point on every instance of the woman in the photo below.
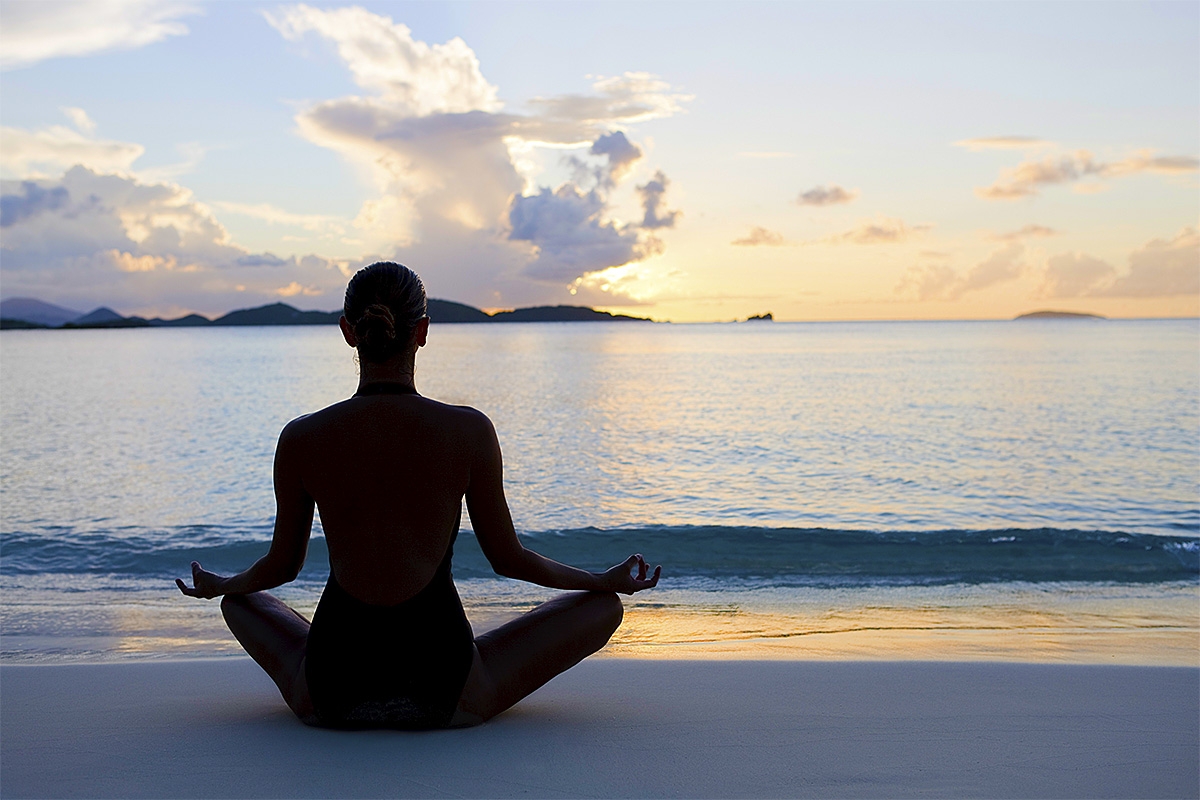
[389,645]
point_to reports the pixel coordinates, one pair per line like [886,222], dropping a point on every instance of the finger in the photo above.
[183,587]
[657,572]
[195,570]
[641,576]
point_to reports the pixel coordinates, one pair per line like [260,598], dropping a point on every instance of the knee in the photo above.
[610,608]
[231,605]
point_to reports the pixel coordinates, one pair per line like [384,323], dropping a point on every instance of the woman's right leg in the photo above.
[520,656]
[276,637]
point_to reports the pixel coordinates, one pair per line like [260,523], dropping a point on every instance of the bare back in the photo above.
[388,474]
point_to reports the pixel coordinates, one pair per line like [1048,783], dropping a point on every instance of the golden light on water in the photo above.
[1112,631]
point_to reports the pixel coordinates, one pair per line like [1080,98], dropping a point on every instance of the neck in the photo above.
[395,370]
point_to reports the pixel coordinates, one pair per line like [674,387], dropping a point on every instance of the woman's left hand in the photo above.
[204,584]
[621,579]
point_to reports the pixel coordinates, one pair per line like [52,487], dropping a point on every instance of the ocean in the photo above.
[1018,490]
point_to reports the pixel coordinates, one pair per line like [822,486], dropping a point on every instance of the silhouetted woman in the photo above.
[389,644]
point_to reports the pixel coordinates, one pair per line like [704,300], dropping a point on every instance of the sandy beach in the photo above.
[621,728]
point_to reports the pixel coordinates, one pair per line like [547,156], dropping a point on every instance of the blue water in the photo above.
[802,467]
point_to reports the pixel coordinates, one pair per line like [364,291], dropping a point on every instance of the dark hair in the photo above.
[383,303]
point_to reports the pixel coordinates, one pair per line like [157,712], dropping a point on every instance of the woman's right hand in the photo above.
[621,579]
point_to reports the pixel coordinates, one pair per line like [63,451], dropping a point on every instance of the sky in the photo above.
[682,161]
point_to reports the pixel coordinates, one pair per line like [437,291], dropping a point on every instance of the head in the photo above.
[384,312]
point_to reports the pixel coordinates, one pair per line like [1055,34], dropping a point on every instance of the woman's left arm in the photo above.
[289,544]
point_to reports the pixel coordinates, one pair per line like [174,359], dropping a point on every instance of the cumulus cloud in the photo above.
[444,157]
[408,74]
[29,200]
[1160,268]
[1073,274]
[1027,232]
[91,238]
[928,282]
[570,236]
[56,148]
[428,132]
[653,204]
[1003,143]
[879,231]
[621,155]
[36,31]
[759,237]
[826,196]
[942,282]
[1027,178]
[1001,266]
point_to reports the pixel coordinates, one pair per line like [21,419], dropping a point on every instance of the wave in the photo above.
[708,555]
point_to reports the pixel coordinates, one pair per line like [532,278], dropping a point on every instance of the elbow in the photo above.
[511,565]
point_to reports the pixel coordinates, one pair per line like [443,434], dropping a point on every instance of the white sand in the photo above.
[619,727]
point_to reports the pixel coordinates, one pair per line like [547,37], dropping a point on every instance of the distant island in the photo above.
[767,317]
[27,312]
[1058,315]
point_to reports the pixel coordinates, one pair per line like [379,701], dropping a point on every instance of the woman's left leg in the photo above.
[276,637]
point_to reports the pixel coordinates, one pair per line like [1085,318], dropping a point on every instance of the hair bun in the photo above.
[377,325]
[384,303]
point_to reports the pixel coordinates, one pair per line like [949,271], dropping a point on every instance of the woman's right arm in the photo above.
[494,530]
[289,543]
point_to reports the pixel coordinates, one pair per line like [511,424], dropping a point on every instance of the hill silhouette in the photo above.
[25,312]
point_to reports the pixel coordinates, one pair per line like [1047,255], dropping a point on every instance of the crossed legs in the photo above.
[510,662]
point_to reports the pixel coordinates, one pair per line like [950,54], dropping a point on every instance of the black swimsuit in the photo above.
[401,666]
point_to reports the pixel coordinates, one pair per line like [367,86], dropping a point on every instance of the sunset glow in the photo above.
[686,162]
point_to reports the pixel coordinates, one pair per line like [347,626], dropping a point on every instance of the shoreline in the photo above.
[621,727]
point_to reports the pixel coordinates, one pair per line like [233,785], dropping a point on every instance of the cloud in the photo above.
[93,239]
[1003,143]
[1001,266]
[928,282]
[1027,232]
[1073,274]
[32,200]
[759,237]
[631,97]
[295,288]
[382,56]
[879,231]
[826,196]
[570,236]
[1160,268]
[652,192]
[36,31]
[277,216]
[55,149]
[621,153]
[942,282]
[443,157]
[80,119]
[1026,178]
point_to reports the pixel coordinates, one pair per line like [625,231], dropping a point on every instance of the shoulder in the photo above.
[307,425]
[471,421]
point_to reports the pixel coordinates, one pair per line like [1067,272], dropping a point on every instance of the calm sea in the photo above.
[1022,490]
